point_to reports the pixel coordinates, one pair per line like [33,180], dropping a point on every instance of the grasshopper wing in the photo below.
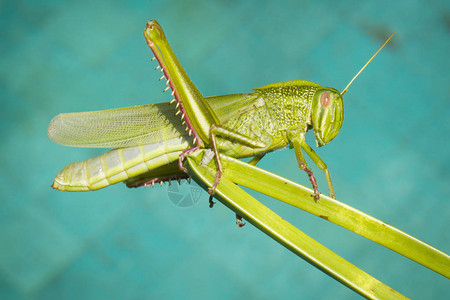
[116,128]
[135,126]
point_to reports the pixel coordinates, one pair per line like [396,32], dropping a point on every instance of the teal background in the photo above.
[390,160]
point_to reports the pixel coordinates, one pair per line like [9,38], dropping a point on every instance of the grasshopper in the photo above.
[152,141]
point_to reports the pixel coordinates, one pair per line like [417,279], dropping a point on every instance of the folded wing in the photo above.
[116,128]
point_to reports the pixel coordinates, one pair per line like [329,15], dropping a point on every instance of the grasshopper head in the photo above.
[327,114]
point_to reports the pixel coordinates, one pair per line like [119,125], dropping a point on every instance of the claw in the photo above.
[211,202]
[181,158]
[239,221]
[313,181]
[212,190]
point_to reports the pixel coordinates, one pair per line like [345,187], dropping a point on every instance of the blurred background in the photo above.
[390,160]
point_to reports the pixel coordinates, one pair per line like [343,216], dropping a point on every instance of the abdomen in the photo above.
[117,165]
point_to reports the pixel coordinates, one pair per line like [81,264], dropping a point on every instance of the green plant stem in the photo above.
[286,234]
[334,211]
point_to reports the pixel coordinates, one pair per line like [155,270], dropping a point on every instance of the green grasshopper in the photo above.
[151,141]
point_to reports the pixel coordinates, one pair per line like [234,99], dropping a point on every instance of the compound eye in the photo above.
[325,99]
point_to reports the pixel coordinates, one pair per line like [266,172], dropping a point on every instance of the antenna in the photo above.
[357,74]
